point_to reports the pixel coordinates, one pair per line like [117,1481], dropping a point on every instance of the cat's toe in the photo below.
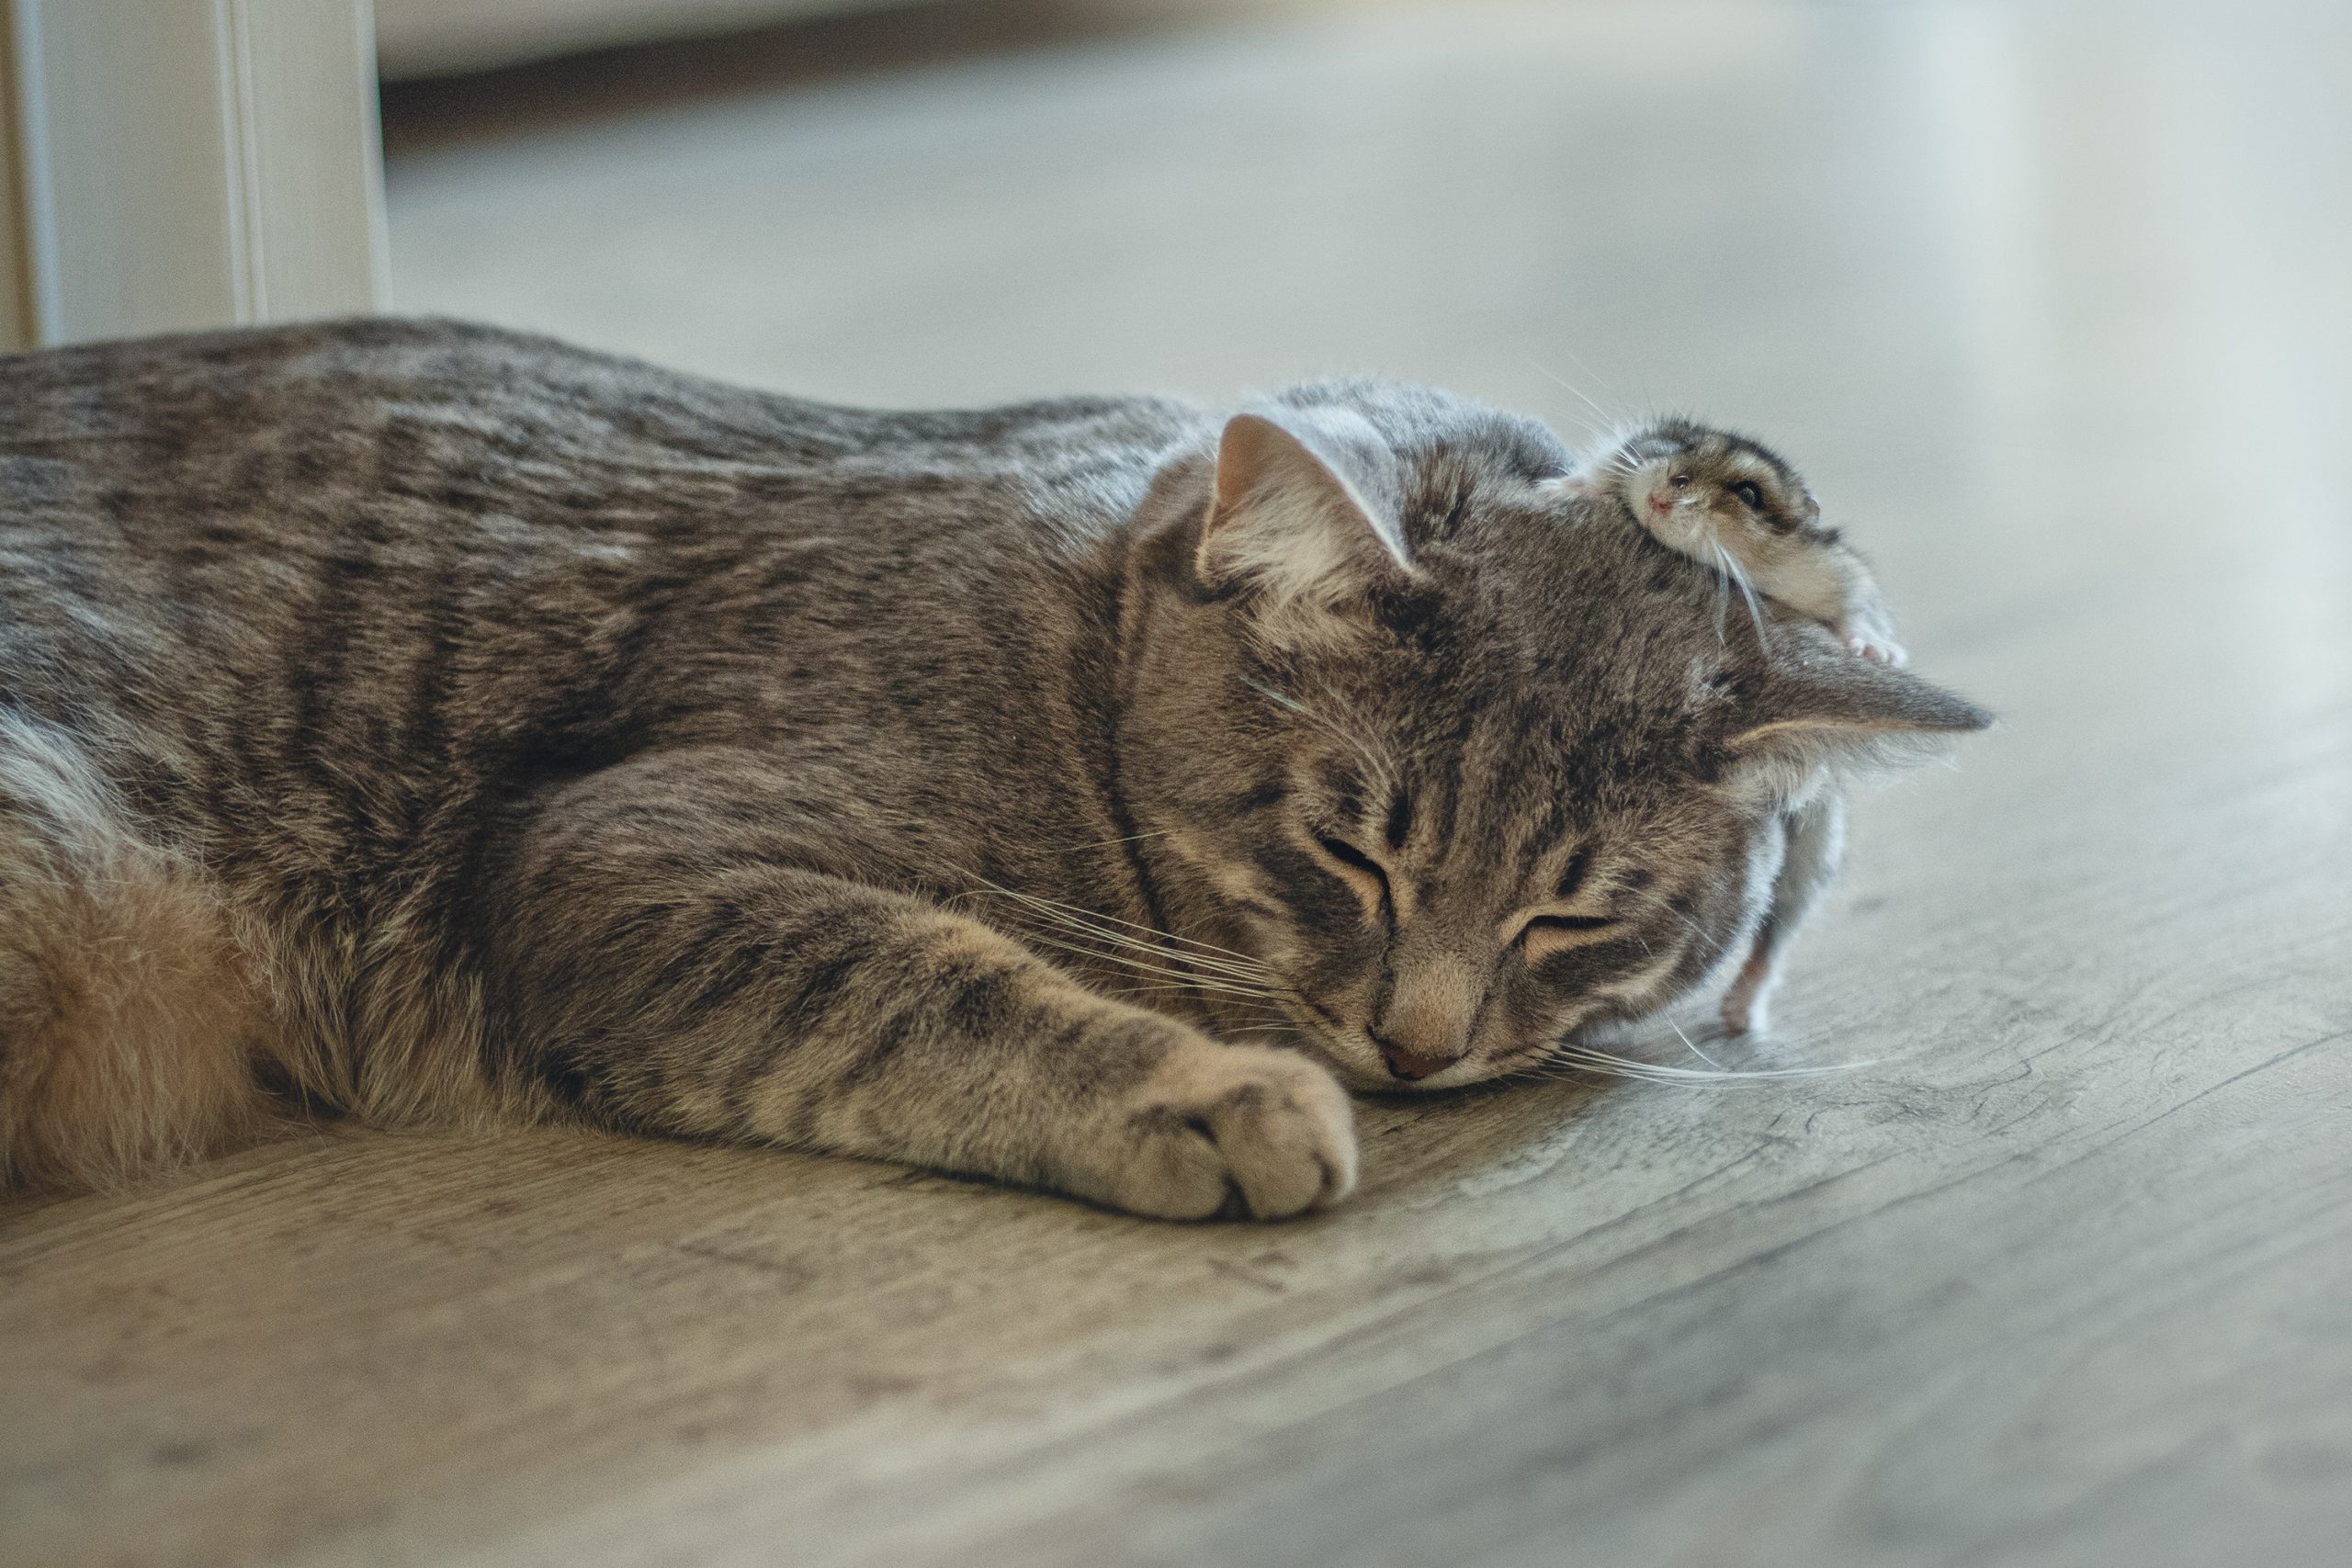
[1241,1131]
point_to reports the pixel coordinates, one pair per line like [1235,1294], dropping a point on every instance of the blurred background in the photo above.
[975,199]
[1908,242]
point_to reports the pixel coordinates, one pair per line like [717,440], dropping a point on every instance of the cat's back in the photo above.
[327,541]
[214,498]
[141,435]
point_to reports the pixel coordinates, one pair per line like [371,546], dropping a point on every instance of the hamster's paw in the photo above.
[1872,643]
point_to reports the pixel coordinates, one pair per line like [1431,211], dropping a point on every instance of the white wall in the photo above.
[185,164]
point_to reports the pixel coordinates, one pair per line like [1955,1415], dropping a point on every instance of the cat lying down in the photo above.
[430,722]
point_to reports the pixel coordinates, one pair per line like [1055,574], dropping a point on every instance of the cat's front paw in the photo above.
[1230,1130]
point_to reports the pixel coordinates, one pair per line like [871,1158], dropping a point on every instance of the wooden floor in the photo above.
[2050,301]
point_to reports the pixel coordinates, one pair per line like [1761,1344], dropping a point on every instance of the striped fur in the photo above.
[420,722]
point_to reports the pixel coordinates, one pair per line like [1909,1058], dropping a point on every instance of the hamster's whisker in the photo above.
[1738,577]
[1608,419]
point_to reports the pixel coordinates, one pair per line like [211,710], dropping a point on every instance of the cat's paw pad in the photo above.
[1234,1131]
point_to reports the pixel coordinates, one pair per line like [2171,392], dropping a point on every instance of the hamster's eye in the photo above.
[1747,490]
[1680,481]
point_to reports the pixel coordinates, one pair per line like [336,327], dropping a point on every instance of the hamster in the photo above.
[1736,506]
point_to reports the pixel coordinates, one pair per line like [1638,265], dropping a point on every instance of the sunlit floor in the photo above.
[2050,301]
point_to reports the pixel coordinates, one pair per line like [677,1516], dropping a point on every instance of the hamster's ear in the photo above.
[1304,516]
[1826,712]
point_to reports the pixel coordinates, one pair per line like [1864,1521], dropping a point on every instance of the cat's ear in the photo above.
[1304,513]
[1826,711]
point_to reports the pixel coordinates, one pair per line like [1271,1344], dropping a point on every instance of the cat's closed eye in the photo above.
[1570,922]
[1360,864]
[1545,935]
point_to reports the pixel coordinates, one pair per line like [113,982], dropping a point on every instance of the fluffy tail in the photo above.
[129,1019]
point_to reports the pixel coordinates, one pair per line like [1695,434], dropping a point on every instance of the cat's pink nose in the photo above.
[1425,1027]
[1412,1066]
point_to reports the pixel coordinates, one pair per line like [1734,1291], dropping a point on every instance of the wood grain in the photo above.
[2050,308]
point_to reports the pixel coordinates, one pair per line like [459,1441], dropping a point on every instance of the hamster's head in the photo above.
[1694,487]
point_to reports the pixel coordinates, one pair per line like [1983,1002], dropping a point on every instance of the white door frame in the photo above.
[184,163]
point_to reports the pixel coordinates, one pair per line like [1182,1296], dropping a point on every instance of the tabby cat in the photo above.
[426,722]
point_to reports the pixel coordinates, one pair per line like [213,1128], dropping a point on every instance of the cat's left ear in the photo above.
[1304,513]
[1825,710]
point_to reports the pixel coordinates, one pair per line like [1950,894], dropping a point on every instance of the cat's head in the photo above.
[1436,762]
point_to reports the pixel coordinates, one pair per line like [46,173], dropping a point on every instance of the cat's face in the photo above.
[1436,901]
[1436,766]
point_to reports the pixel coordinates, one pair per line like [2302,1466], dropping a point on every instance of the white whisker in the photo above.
[1588,1057]
[1129,838]
[1252,974]
[1606,419]
[1691,1048]
[1141,967]
[1382,774]
[1738,575]
[1088,915]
